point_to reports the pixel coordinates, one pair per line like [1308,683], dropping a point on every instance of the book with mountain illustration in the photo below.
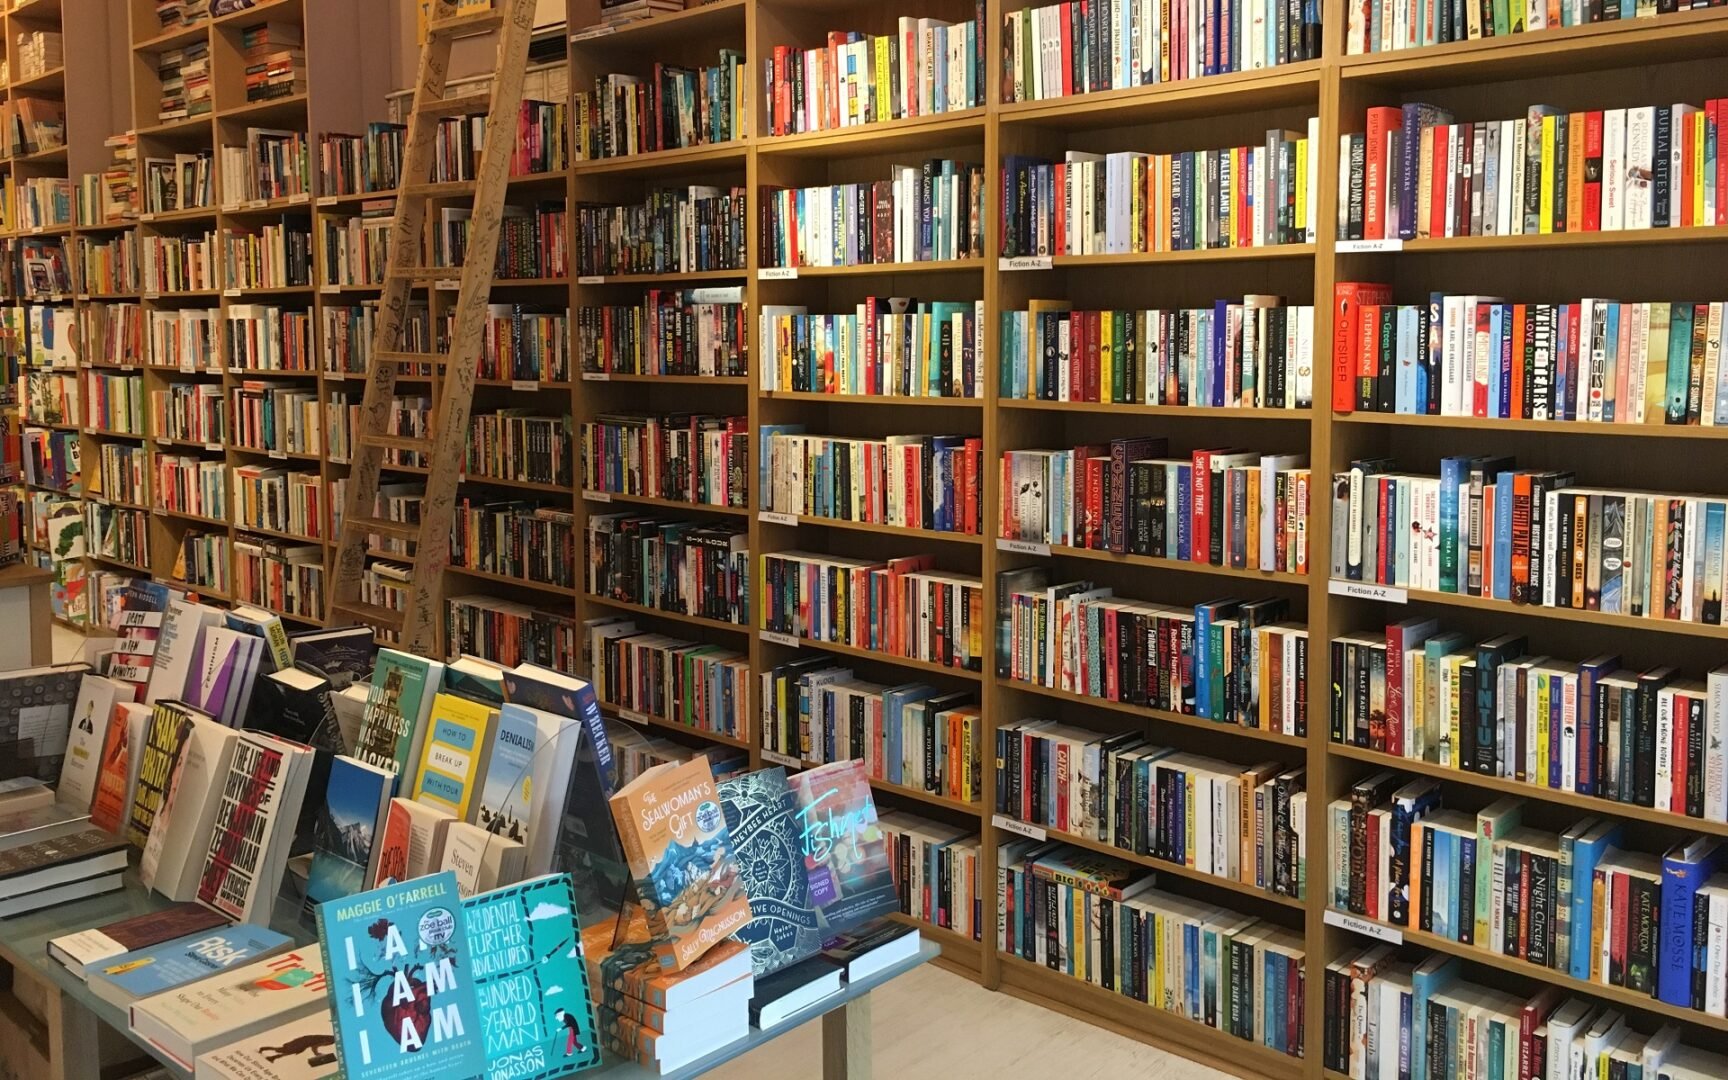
[845,853]
[674,836]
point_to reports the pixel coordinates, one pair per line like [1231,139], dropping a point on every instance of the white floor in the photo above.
[932,1023]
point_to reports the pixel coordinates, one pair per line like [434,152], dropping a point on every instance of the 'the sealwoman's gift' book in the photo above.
[401,971]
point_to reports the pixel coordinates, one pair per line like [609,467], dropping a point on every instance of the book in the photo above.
[401,957]
[157,968]
[80,951]
[410,842]
[674,836]
[344,654]
[36,719]
[453,754]
[44,864]
[303,1049]
[475,679]
[24,793]
[763,823]
[792,989]
[178,648]
[564,695]
[345,844]
[622,963]
[172,859]
[527,774]
[117,777]
[221,680]
[258,805]
[165,736]
[481,860]
[81,771]
[237,1002]
[872,948]
[845,857]
[397,708]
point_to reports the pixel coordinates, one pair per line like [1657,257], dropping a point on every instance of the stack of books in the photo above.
[275,62]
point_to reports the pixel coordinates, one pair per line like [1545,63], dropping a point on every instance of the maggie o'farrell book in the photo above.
[845,853]
[401,975]
[674,836]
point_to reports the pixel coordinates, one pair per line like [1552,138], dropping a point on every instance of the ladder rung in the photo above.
[427,273]
[466,25]
[408,530]
[438,359]
[398,442]
[460,105]
[439,189]
[372,614]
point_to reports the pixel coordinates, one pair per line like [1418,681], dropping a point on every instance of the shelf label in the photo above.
[772,517]
[1363,590]
[633,716]
[329,200]
[330,288]
[229,208]
[1391,935]
[213,446]
[278,455]
[596,376]
[1017,827]
[1024,262]
[591,279]
[299,197]
[592,32]
[777,273]
[231,292]
[1023,547]
[84,297]
[597,496]
[779,639]
[1356,247]
[525,384]
[447,284]
[188,366]
[150,216]
[257,204]
[774,758]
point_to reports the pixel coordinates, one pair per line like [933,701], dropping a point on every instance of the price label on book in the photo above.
[779,639]
[596,376]
[525,384]
[633,716]
[591,279]
[1391,935]
[1023,547]
[777,273]
[597,496]
[1362,590]
[278,455]
[773,517]
[1024,262]
[781,759]
[1017,827]
[1357,247]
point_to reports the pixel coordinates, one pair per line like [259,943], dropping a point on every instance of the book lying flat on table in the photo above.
[159,968]
[34,876]
[86,947]
[213,1012]
[303,1049]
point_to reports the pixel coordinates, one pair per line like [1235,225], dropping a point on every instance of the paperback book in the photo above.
[159,968]
[87,947]
[763,821]
[454,753]
[345,835]
[214,1011]
[393,725]
[845,855]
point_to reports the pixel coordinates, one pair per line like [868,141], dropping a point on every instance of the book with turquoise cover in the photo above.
[453,757]
[399,965]
[531,980]
[762,818]
[392,728]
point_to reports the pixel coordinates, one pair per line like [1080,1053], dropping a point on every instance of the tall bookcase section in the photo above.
[1594,67]
[659,343]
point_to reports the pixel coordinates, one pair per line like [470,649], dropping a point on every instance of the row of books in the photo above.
[276,256]
[186,181]
[936,872]
[1058,50]
[649,676]
[264,337]
[1238,822]
[683,457]
[283,419]
[510,538]
[185,339]
[184,77]
[179,264]
[348,331]
[682,230]
[189,412]
[671,332]
[539,145]
[907,481]
[1492,708]
[1384,27]
[356,248]
[672,108]
[273,164]
[887,346]
[353,164]
[187,484]
[115,402]
[680,566]
[902,607]
[112,334]
[923,67]
[275,61]
[926,213]
[280,576]
[510,633]
[53,335]
[30,125]
[117,534]
[50,458]
[41,202]
[1256,353]
[910,735]
[511,444]
[1104,922]
[106,265]
[1486,528]
[280,501]
[1232,508]
[1416,172]
[1234,662]
[122,474]
[531,242]
[1600,361]
[50,397]
[110,197]
[1129,202]
[202,561]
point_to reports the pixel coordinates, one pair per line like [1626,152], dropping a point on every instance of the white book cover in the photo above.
[1613,170]
[258,806]
[1640,171]
[482,862]
[213,1012]
[91,714]
[171,861]
[303,1049]
[178,648]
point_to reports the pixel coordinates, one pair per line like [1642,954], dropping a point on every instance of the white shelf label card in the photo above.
[525,384]
[779,639]
[329,200]
[774,517]
[1363,590]
[591,279]
[781,759]
[1017,827]
[596,376]
[278,455]
[1022,547]
[1024,262]
[597,496]
[777,273]
[1357,247]
[1391,935]
[633,716]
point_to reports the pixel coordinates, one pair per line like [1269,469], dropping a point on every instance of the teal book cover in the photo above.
[531,980]
[401,973]
[393,706]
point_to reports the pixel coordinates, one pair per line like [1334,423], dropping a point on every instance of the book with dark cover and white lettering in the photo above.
[85,948]
[873,947]
[762,819]
[36,719]
[785,992]
[345,835]
[94,709]
[303,1049]
[564,695]
[398,960]
[29,871]
[344,655]
[845,853]
[185,1022]
[255,815]
[157,968]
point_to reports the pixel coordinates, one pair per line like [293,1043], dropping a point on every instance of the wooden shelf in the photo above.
[660,613]
[1165,866]
[669,504]
[872,654]
[670,277]
[666,380]
[707,21]
[712,156]
[197,519]
[936,535]
[277,534]
[1158,715]
[1184,565]
[1175,412]
[487,575]
[631,716]
[1241,92]
[926,266]
[115,560]
[1158,258]
[917,133]
[1536,427]
[896,400]
[959,806]
[1617,622]
[1569,241]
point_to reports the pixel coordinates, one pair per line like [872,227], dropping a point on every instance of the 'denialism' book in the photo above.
[762,819]
[530,977]
[845,853]
[399,961]
[680,855]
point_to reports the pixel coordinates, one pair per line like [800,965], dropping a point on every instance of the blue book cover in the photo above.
[565,695]
[346,829]
[1587,851]
[1503,536]
[400,966]
[1445,851]
[1684,871]
[1679,362]
[1220,321]
[1496,328]
[506,793]
[1611,362]
[175,963]
[762,818]
[1432,976]
[531,981]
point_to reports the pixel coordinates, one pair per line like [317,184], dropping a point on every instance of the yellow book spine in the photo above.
[1301,186]
[1698,177]
[1106,369]
[1454,664]
[1547,219]
[1541,726]
[886,106]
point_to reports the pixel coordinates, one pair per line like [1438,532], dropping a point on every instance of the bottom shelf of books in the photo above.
[272,854]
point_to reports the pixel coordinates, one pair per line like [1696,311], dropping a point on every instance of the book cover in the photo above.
[346,830]
[80,772]
[172,854]
[622,965]
[165,737]
[232,1004]
[674,838]
[845,853]
[479,859]
[453,755]
[532,981]
[391,728]
[267,627]
[399,963]
[506,794]
[225,666]
[303,1049]
[117,773]
[157,968]
[565,695]
[343,655]
[475,679]
[410,842]
[177,649]
[586,842]
[248,843]
[86,947]
[36,719]
[57,860]
[762,820]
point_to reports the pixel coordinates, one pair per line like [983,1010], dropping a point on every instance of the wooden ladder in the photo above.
[445,446]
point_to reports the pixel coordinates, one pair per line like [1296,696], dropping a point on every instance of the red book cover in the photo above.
[1593,170]
[1067,54]
[1200,507]
[1439,177]
[1347,298]
[1383,509]
[1679,742]
[1686,135]
[1372,870]
[1382,120]
[973,458]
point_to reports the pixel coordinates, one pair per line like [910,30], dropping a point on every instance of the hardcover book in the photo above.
[453,755]
[393,726]
[173,853]
[399,961]
[564,695]
[258,805]
[303,1049]
[80,772]
[527,776]
[36,719]
[234,1004]
[623,965]
[674,836]
[481,860]
[44,864]
[410,842]
[344,655]
[165,737]
[762,819]
[267,627]
[178,647]
[86,947]
[586,845]
[221,681]
[528,968]
[117,774]
[345,835]
[139,623]
[845,853]
[163,967]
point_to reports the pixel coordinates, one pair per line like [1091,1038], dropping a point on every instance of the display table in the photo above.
[73,1036]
